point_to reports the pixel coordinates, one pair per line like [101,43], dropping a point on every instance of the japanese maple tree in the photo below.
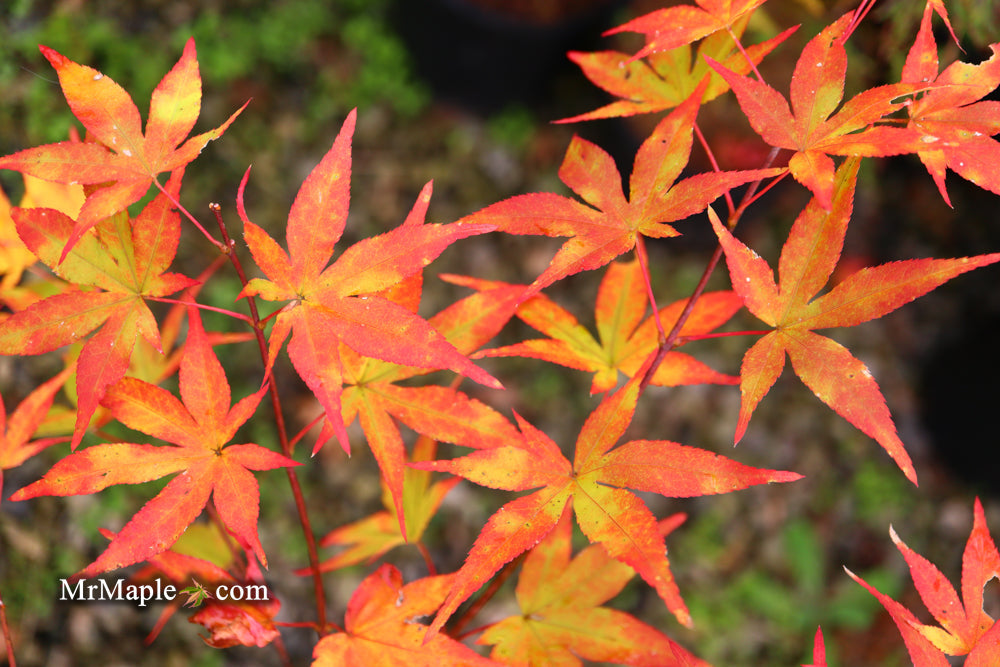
[89,276]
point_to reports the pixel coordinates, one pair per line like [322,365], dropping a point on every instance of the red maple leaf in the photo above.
[201,425]
[561,620]
[610,224]
[329,305]
[122,160]
[965,627]
[125,262]
[381,626]
[955,125]
[808,258]
[810,127]
[596,484]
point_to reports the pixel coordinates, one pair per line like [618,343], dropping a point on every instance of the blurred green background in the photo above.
[760,569]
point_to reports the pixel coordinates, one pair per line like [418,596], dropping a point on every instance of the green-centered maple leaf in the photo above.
[380,626]
[955,124]
[125,262]
[561,620]
[200,425]
[330,305]
[610,224]
[17,429]
[624,340]
[375,535]
[810,127]
[123,160]
[965,627]
[664,79]
[671,27]
[596,482]
[808,258]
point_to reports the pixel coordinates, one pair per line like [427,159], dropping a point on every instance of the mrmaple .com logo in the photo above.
[101,590]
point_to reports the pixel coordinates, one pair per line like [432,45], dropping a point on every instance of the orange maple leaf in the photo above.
[671,27]
[810,127]
[664,79]
[381,627]
[595,483]
[625,340]
[340,303]
[14,255]
[561,620]
[126,262]
[808,258]
[965,627]
[17,429]
[610,224]
[122,160]
[201,425]
[373,393]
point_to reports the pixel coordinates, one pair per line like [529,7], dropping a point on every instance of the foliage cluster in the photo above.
[86,257]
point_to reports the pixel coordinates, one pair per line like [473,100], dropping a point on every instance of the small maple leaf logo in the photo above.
[196,594]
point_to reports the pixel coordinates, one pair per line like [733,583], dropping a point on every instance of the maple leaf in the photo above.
[610,224]
[810,127]
[808,258]
[373,395]
[126,261]
[375,535]
[665,79]
[329,305]
[380,626]
[965,627]
[196,593]
[561,620]
[595,483]
[671,27]
[200,425]
[954,124]
[16,431]
[14,255]
[625,340]
[123,160]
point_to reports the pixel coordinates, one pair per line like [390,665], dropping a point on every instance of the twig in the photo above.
[286,448]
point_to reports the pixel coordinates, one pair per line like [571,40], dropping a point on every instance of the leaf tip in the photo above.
[786,476]
[55,58]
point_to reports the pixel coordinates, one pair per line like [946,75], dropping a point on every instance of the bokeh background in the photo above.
[463,92]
